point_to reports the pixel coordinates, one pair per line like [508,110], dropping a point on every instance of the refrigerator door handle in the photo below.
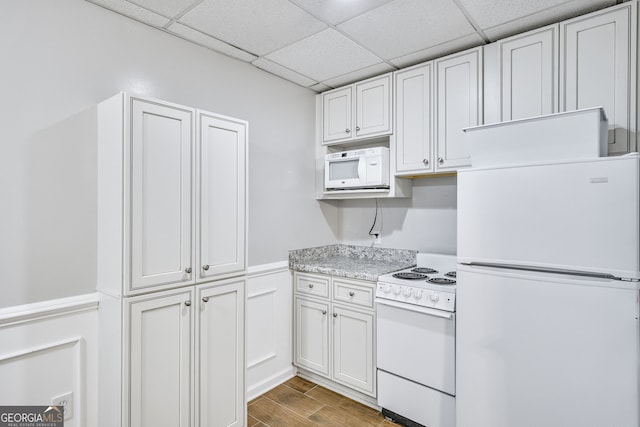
[580,273]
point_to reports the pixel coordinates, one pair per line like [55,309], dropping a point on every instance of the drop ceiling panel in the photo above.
[208,41]
[457,45]
[257,27]
[361,74]
[283,72]
[490,13]
[337,11]
[133,11]
[406,26]
[324,55]
[168,8]
[544,17]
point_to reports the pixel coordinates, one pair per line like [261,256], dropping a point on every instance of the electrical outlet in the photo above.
[378,239]
[66,401]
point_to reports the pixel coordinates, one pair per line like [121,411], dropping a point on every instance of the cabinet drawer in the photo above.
[312,285]
[358,293]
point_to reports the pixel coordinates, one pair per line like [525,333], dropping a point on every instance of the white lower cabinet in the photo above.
[220,354]
[160,369]
[312,335]
[177,359]
[334,334]
[353,348]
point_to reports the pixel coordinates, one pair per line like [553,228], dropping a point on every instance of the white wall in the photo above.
[61,57]
[426,222]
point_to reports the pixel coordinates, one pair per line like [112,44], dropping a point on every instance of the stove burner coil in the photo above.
[409,276]
[441,281]
[451,274]
[424,270]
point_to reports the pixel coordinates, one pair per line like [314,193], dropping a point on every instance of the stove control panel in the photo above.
[417,296]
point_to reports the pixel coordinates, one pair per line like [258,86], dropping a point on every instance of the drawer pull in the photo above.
[351,293]
[310,285]
[335,314]
[324,311]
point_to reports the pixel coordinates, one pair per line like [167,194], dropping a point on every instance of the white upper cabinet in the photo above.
[459,105]
[373,107]
[358,111]
[521,76]
[221,185]
[434,102]
[336,117]
[598,68]
[171,201]
[161,194]
[414,119]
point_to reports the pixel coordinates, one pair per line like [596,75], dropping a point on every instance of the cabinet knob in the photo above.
[187,303]
[347,130]
[205,267]
[187,270]
[310,285]
[324,311]
[357,128]
[205,299]
[351,293]
[335,314]
[426,162]
[440,160]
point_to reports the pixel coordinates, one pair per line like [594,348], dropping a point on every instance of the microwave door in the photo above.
[343,173]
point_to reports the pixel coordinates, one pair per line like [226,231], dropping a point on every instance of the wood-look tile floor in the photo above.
[301,403]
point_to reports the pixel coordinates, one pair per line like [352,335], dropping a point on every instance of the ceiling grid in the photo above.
[321,44]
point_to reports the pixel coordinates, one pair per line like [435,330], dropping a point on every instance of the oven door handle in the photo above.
[416,308]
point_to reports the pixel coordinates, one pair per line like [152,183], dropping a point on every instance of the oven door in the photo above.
[417,343]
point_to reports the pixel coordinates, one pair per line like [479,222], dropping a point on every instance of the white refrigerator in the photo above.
[547,329]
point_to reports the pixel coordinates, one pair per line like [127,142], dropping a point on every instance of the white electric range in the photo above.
[415,318]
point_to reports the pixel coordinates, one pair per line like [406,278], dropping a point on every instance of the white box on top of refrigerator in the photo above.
[571,135]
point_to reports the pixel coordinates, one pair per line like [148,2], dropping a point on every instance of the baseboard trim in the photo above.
[269,383]
[370,401]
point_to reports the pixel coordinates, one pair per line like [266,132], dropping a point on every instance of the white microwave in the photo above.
[357,169]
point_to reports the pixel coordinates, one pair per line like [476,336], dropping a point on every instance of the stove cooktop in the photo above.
[431,284]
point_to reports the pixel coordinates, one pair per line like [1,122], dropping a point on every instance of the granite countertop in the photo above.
[356,262]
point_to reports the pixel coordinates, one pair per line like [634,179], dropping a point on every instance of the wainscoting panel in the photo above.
[49,349]
[269,328]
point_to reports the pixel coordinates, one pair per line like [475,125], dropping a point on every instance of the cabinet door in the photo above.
[521,76]
[312,335]
[353,344]
[160,368]
[598,68]
[414,120]
[373,107]
[222,195]
[336,115]
[459,105]
[220,363]
[161,194]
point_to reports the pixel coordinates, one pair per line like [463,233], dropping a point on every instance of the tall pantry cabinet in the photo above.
[171,264]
